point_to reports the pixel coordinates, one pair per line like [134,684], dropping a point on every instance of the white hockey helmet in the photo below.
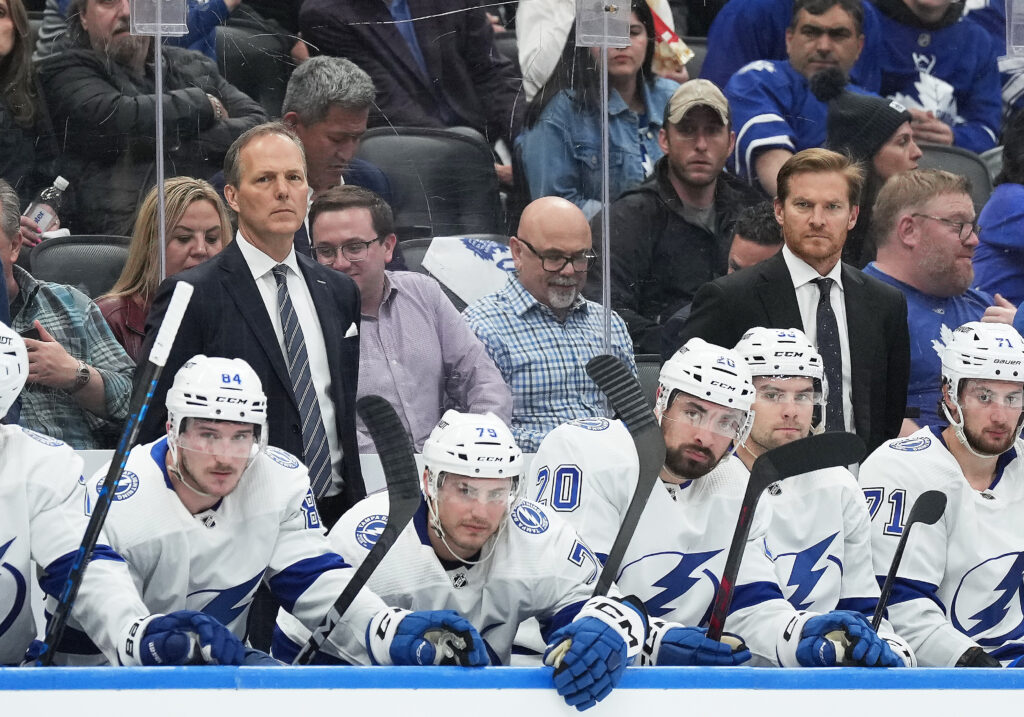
[978,350]
[217,389]
[471,444]
[708,372]
[13,367]
[786,353]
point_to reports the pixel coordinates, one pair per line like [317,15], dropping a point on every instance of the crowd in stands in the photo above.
[779,189]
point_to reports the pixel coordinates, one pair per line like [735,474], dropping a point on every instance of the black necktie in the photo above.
[831,356]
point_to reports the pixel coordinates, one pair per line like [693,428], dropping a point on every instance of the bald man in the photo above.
[539,329]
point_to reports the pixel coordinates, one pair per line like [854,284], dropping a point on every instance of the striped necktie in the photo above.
[831,357]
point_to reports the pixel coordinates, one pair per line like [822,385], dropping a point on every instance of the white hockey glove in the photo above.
[670,643]
[430,637]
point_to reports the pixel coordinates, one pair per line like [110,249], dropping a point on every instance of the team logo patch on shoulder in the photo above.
[369,530]
[281,457]
[911,445]
[126,486]
[529,518]
[43,438]
[592,424]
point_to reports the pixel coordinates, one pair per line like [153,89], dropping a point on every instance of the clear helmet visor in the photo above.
[981,399]
[223,440]
[775,397]
[463,491]
[728,422]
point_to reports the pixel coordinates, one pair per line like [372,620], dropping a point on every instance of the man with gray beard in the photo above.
[925,228]
[540,331]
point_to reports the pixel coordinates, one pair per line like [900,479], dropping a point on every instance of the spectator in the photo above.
[414,348]
[561,148]
[924,224]
[860,328]
[875,132]
[999,260]
[101,97]
[943,68]
[772,103]
[433,62]
[539,329]
[670,235]
[991,16]
[80,378]
[197,228]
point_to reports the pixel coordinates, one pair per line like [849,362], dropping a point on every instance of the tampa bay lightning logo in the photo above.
[989,601]
[490,251]
[592,424]
[42,438]
[806,570]
[281,457]
[529,518]
[226,605]
[681,574]
[127,486]
[369,529]
[911,444]
[13,606]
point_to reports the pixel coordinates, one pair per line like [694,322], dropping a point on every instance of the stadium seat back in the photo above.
[90,263]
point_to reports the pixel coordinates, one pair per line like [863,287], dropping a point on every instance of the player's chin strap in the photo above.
[174,471]
[435,525]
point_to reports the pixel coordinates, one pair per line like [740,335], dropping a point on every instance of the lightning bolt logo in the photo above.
[228,604]
[803,575]
[20,590]
[1008,592]
[678,580]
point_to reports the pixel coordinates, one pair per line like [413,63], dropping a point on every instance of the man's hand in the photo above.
[1001,312]
[49,363]
[504,172]
[929,128]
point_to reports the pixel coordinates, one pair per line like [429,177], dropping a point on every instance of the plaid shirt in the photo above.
[77,324]
[544,360]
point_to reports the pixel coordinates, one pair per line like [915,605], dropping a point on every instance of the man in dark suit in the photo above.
[858,321]
[236,312]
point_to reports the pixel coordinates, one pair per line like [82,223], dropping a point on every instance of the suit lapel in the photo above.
[386,35]
[778,298]
[859,328]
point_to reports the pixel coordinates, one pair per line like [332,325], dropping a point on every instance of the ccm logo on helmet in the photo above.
[723,385]
[790,354]
[231,399]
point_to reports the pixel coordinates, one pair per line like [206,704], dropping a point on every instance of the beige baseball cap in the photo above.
[695,93]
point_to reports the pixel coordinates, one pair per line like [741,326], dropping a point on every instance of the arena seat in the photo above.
[90,263]
[648,368]
[413,251]
[961,162]
[699,45]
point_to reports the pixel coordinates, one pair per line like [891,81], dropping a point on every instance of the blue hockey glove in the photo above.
[173,639]
[669,643]
[429,637]
[842,637]
[590,654]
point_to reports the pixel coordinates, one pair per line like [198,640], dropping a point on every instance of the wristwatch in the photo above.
[82,377]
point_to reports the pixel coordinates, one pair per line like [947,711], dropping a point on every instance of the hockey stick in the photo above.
[399,464]
[140,405]
[802,456]
[928,508]
[627,398]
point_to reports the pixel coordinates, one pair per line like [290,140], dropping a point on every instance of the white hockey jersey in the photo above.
[538,568]
[961,581]
[266,530]
[43,507]
[586,470]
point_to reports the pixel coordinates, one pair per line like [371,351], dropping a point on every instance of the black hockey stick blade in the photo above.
[627,398]
[399,463]
[136,413]
[813,453]
[928,508]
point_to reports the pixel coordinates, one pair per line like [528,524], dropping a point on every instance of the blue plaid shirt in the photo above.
[544,360]
[77,325]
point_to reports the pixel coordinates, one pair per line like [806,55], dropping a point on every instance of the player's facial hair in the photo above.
[684,467]
[979,444]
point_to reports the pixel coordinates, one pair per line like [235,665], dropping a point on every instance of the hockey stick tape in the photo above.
[172,320]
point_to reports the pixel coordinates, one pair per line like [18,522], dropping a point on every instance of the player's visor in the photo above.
[225,440]
[775,395]
[477,490]
[720,421]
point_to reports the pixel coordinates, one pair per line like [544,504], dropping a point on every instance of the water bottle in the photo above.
[45,208]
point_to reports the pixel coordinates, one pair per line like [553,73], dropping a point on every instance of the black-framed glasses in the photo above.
[353,251]
[963,229]
[581,261]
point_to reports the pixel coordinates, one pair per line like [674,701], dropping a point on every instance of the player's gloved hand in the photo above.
[669,643]
[173,639]
[591,652]
[976,657]
[429,637]
[258,658]
[842,637]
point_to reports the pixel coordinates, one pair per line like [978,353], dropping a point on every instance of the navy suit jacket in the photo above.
[876,318]
[227,317]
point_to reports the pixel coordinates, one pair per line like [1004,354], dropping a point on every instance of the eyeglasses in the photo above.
[556,262]
[963,229]
[353,251]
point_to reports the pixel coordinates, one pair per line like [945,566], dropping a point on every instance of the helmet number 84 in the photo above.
[228,378]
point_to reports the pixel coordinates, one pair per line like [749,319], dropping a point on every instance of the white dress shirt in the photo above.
[807,294]
[261,266]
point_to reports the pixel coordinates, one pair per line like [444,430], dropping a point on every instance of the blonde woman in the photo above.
[197,229]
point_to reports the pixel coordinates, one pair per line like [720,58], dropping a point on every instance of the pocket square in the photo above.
[353,330]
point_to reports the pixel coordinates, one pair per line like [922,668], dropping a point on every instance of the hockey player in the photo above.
[42,499]
[819,536]
[957,595]
[207,512]
[476,547]
[587,470]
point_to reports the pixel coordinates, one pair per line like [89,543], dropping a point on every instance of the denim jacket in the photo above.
[562,152]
